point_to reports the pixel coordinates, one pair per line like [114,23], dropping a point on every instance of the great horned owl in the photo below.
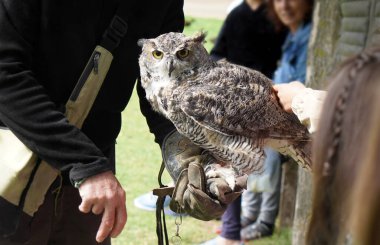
[229,110]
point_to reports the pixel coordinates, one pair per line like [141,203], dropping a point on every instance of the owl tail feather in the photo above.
[300,151]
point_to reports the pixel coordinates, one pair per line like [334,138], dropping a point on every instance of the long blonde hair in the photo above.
[340,145]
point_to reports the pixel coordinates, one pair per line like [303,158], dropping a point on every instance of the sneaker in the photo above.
[148,201]
[255,231]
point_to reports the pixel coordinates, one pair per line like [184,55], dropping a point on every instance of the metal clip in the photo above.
[96,62]
[176,239]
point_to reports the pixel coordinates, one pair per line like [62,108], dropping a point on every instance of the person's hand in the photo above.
[103,193]
[190,196]
[197,192]
[202,198]
[286,92]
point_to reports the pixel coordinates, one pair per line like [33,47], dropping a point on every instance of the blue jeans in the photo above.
[264,205]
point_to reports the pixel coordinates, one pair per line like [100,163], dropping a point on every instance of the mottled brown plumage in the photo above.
[227,109]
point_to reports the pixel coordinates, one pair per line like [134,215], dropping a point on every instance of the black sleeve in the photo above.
[158,124]
[175,19]
[25,107]
[219,51]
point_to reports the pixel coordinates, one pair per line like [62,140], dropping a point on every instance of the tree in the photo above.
[341,28]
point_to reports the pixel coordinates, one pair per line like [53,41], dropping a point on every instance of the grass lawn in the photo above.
[138,162]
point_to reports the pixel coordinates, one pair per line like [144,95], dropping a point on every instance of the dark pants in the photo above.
[231,221]
[59,221]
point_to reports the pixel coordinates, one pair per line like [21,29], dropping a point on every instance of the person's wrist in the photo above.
[79,182]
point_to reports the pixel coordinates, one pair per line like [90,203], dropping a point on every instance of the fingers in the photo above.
[276,87]
[113,221]
[280,87]
[107,223]
[94,205]
[97,209]
[181,186]
[85,206]
[197,176]
[114,215]
[120,220]
[297,84]
[285,94]
[102,193]
[241,182]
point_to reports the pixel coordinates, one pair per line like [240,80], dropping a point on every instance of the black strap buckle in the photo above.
[114,33]
[119,26]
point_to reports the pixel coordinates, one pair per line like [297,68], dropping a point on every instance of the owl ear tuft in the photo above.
[142,41]
[199,37]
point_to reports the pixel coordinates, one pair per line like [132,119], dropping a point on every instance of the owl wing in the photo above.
[239,101]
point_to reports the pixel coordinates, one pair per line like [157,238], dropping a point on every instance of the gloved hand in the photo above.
[200,197]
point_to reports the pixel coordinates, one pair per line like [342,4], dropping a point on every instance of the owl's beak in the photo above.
[171,67]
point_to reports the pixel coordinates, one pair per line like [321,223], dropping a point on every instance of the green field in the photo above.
[138,162]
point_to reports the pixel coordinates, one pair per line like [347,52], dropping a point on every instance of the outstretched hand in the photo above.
[286,92]
[103,193]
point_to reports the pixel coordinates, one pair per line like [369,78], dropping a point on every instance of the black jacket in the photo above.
[44,46]
[248,38]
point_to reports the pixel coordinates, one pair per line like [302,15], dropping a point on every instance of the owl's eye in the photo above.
[183,53]
[157,54]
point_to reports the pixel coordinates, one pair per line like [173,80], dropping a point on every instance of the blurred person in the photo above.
[349,123]
[233,5]
[263,207]
[343,215]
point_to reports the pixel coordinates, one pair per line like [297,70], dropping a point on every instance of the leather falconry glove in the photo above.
[200,197]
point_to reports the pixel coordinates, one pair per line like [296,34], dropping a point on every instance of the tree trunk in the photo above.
[321,61]
[303,207]
[288,193]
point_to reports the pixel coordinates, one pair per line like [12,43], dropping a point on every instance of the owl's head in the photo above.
[172,54]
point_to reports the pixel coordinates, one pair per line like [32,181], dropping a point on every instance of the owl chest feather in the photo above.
[156,92]
[241,152]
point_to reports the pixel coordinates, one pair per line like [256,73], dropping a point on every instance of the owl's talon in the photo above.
[211,174]
[227,174]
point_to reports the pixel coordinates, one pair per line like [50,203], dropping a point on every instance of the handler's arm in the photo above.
[27,110]
[158,124]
